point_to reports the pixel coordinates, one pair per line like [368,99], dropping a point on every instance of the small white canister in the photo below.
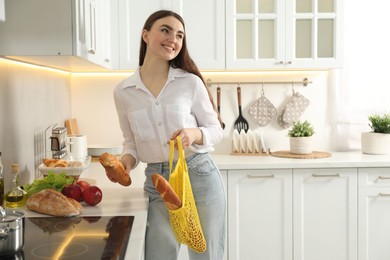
[77,147]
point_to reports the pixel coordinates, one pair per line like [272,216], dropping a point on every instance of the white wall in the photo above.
[93,106]
[31,99]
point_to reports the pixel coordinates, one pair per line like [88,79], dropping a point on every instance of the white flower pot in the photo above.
[375,143]
[301,145]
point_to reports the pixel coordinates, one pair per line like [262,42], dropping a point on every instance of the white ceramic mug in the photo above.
[77,147]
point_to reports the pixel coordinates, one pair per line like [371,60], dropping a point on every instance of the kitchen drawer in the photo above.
[374,177]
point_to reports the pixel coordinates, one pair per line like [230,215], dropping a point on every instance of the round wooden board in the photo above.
[313,155]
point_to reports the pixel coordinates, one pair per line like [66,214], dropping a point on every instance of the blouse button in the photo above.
[160,123]
[157,103]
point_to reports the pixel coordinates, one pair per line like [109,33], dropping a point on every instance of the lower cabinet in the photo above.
[303,214]
[307,214]
[325,214]
[260,214]
[374,213]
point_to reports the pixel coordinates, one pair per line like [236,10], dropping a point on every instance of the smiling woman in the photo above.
[167,79]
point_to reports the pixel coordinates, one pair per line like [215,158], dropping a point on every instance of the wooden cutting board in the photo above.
[72,127]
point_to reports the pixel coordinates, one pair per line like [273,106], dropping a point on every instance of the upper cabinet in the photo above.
[221,35]
[101,32]
[205,29]
[38,30]
[283,34]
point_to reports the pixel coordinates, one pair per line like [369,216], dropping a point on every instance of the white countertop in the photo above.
[118,201]
[337,160]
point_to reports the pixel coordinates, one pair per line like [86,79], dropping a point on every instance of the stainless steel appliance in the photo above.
[58,142]
[80,237]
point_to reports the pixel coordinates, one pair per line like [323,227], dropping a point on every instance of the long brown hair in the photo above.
[183,60]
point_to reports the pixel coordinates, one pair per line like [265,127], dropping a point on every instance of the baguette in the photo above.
[114,169]
[168,195]
[52,202]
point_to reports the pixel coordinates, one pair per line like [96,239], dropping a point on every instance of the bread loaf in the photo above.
[52,202]
[168,195]
[55,163]
[115,169]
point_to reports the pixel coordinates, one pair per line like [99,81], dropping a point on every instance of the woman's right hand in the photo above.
[128,162]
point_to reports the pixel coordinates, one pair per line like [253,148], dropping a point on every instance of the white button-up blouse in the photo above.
[147,122]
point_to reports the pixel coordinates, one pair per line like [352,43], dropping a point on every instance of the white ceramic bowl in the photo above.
[97,150]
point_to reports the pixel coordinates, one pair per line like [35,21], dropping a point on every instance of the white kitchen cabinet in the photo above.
[38,30]
[374,213]
[283,34]
[101,37]
[325,214]
[204,21]
[260,214]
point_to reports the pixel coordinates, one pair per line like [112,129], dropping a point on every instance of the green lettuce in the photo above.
[51,181]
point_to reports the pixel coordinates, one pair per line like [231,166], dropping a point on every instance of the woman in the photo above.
[166,97]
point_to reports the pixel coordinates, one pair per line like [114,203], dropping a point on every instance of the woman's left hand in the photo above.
[188,136]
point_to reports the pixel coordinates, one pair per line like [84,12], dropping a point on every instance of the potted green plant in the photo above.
[301,137]
[377,141]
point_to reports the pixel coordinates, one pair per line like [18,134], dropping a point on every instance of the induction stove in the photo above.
[80,237]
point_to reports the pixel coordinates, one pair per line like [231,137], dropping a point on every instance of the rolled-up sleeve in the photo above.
[207,119]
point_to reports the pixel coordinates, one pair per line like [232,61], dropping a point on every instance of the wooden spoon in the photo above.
[219,104]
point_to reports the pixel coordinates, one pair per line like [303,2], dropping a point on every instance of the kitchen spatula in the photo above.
[240,123]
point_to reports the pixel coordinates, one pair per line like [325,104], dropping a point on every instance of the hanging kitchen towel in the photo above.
[295,108]
[262,111]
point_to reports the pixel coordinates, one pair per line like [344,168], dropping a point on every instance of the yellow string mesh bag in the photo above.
[185,220]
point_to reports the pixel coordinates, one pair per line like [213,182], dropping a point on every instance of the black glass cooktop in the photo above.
[104,237]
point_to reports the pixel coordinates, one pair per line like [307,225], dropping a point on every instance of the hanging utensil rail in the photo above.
[304,82]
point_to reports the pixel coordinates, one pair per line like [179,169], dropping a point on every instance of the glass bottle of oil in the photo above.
[1,183]
[16,197]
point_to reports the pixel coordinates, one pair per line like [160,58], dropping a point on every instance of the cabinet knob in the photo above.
[107,60]
[280,62]
[91,51]
[288,62]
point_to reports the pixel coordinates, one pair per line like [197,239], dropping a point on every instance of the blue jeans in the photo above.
[210,198]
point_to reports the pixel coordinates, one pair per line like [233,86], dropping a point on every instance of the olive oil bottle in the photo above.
[16,197]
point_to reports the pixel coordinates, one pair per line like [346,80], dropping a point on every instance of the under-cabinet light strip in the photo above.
[33,66]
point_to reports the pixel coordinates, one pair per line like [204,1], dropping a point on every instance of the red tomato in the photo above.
[92,195]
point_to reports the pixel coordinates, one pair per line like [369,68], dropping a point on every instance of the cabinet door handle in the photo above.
[384,178]
[91,51]
[288,62]
[260,176]
[325,175]
[384,194]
